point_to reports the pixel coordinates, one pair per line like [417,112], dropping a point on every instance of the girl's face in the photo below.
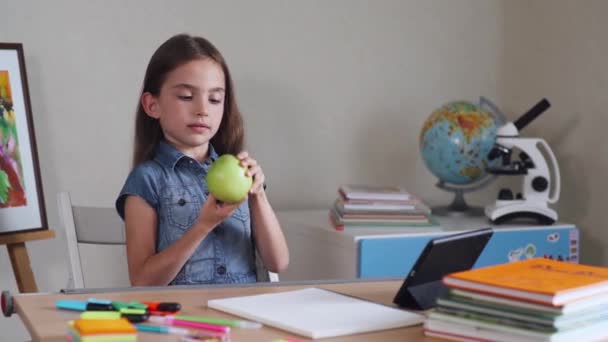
[190,105]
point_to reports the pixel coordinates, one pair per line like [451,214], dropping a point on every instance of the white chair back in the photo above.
[96,246]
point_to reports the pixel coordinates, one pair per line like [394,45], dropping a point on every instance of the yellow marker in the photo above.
[100,315]
[129,311]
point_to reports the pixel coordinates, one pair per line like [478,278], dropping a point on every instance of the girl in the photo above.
[176,232]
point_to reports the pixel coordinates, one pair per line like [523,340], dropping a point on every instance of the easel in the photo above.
[20,261]
[15,241]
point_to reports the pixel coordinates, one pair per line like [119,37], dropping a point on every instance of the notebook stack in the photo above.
[98,330]
[364,206]
[531,300]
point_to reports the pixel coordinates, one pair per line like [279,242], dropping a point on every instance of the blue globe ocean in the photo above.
[455,141]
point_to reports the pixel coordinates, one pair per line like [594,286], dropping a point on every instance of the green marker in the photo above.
[220,321]
[131,305]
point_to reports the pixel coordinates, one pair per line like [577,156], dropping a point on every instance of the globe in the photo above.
[455,141]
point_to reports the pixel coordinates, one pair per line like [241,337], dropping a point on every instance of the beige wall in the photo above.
[559,49]
[332,92]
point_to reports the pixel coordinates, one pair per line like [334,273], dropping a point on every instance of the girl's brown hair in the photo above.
[176,51]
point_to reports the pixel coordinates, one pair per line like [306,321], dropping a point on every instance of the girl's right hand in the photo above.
[214,211]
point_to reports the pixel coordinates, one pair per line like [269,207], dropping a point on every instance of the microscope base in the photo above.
[504,211]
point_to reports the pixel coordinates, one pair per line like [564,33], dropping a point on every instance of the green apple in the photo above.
[226,179]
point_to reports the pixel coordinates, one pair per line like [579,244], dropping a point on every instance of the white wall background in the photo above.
[331,91]
[559,49]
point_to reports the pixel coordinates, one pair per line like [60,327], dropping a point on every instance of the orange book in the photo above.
[103,326]
[536,280]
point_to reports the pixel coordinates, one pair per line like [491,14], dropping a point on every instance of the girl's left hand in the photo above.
[253,170]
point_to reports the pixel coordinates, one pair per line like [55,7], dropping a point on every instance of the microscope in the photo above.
[532,202]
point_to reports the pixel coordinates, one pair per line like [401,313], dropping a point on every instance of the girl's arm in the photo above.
[268,234]
[148,268]
[269,237]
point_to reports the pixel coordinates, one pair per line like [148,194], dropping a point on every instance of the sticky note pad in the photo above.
[74,336]
[103,326]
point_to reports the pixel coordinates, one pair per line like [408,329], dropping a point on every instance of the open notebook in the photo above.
[316,313]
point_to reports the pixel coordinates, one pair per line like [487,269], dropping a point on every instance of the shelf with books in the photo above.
[321,252]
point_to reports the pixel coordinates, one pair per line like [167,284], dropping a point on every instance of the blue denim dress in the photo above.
[174,185]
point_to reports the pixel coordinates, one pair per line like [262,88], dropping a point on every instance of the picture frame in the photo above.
[21,196]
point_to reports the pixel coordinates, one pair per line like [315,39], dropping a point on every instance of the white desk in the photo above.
[319,252]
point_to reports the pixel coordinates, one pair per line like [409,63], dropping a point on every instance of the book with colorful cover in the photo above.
[379,214]
[494,319]
[521,316]
[373,192]
[389,221]
[373,207]
[595,303]
[537,280]
[461,329]
[414,222]
[381,217]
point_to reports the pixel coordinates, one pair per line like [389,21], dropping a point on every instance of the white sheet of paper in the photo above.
[316,313]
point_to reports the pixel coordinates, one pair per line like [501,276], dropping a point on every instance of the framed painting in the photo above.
[21,197]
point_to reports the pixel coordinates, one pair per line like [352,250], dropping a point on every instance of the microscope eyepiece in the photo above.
[532,114]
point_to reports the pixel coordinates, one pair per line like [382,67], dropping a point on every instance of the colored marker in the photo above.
[220,321]
[100,315]
[129,305]
[178,331]
[202,339]
[79,305]
[135,315]
[99,301]
[197,325]
[163,313]
[163,306]
[128,311]
[162,330]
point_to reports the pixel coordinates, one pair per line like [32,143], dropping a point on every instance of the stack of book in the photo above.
[364,206]
[531,300]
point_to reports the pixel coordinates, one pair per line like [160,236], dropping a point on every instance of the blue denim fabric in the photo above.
[174,185]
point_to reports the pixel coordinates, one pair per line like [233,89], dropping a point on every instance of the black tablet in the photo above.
[441,256]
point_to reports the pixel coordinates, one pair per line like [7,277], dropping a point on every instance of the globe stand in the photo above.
[459,207]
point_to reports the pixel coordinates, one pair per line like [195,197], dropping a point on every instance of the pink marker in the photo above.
[178,322]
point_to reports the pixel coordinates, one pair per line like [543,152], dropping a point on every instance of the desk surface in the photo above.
[46,323]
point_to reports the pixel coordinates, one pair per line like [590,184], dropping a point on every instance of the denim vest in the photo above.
[174,185]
